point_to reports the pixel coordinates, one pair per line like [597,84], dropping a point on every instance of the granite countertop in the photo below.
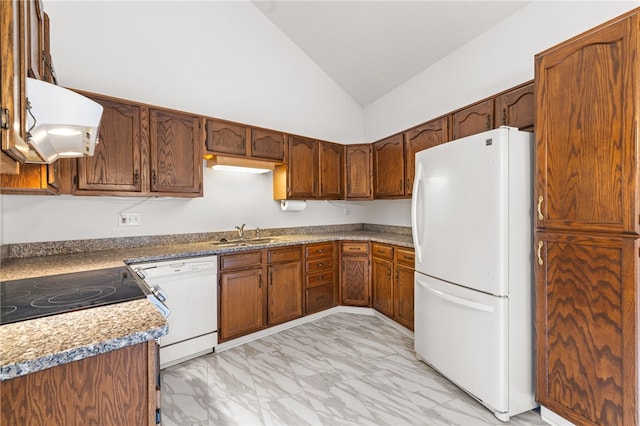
[33,345]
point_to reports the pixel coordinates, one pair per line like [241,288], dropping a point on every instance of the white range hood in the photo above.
[61,123]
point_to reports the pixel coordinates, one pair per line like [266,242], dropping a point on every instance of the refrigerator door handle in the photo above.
[416,198]
[460,301]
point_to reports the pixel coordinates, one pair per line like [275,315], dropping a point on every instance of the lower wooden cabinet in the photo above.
[284,293]
[241,294]
[404,264]
[392,282]
[355,272]
[586,323]
[114,388]
[382,278]
[258,289]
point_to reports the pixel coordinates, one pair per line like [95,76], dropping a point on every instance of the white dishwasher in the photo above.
[190,288]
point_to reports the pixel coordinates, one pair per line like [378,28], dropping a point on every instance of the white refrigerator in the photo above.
[472,231]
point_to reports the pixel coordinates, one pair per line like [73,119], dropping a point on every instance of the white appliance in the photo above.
[190,289]
[472,232]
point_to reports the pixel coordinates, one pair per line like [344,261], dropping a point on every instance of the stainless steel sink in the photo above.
[244,242]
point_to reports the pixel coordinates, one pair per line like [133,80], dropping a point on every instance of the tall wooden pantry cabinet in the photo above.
[587,244]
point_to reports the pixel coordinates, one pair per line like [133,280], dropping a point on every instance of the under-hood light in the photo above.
[241,165]
[61,123]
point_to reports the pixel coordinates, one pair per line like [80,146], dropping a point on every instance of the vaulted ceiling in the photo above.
[371,47]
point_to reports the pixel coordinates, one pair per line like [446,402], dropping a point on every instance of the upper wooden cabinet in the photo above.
[313,171]
[35,39]
[14,43]
[142,151]
[473,119]
[116,165]
[420,138]
[358,172]
[516,108]
[587,132]
[235,139]
[331,166]
[388,167]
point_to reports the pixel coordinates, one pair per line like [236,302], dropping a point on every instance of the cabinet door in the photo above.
[117,161]
[12,81]
[331,163]
[267,144]
[176,153]
[403,296]
[224,137]
[586,327]
[474,119]
[382,285]
[516,108]
[388,167]
[242,300]
[587,131]
[285,292]
[420,138]
[358,172]
[302,168]
[355,280]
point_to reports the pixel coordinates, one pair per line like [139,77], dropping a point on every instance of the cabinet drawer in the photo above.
[240,260]
[284,254]
[319,278]
[319,298]
[405,256]
[318,250]
[382,250]
[319,264]
[354,247]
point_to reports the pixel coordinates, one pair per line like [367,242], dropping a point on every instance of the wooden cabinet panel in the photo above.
[242,300]
[420,138]
[116,388]
[267,145]
[587,157]
[244,259]
[319,298]
[358,172]
[355,273]
[302,168]
[388,167]
[382,251]
[516,108]
[331,164]
[586,327]
[285,292]
[318,250]
[473,119]
[225,137]
[403,295]
[176,152]
[117,161]
[382,285]
[35,39]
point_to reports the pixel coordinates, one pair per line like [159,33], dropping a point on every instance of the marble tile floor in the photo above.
[342,369]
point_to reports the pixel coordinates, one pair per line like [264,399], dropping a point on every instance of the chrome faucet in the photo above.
[241,231]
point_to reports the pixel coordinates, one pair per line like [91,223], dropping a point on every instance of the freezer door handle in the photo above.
[460,301]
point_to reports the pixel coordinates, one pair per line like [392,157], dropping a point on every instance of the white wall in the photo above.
[500,58]
[249,72]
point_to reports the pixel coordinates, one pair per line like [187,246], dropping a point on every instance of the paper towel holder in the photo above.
[293,205]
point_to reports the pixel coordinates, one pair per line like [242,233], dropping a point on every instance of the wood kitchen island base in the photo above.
[113,388]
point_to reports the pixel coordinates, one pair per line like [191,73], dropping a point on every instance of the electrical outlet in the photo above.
[130,219]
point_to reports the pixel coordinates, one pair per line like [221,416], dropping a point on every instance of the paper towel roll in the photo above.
[292,205]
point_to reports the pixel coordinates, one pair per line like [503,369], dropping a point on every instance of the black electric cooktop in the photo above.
[31,298]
